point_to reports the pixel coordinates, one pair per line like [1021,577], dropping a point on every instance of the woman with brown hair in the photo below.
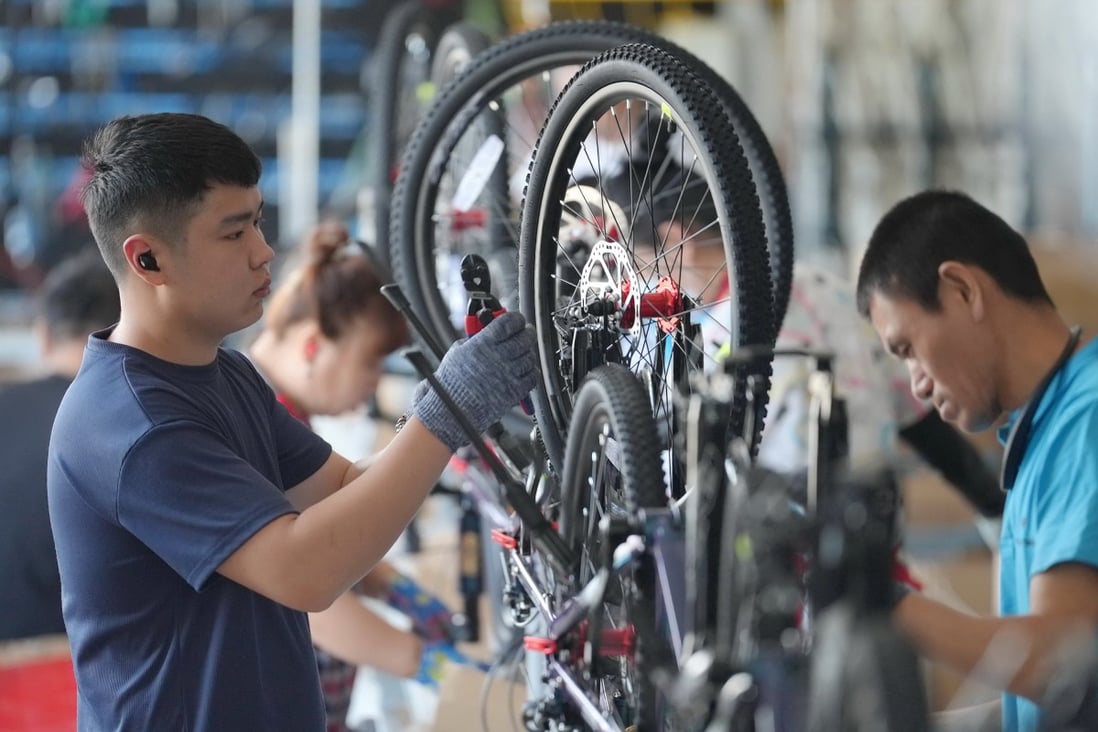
[326,334]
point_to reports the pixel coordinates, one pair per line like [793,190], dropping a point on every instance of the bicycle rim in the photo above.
[640,211]
[504,92]
[403,66]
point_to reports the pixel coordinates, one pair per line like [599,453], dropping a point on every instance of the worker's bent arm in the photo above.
[305,561]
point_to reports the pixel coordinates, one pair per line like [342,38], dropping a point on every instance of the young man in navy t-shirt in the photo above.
[196,521]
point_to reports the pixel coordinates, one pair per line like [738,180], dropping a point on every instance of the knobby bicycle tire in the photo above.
[455,107]
[401,22]
[676,89]
[614,436]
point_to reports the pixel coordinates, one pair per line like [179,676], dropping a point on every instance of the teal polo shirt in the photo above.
[1051,513]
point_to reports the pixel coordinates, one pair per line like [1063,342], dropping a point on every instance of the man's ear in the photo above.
[959,281]
[143,254]
[301,340]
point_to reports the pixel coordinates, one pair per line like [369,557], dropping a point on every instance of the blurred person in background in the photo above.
[323,341]
[79,296]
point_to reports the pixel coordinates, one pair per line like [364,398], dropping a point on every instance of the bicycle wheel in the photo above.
[497,104]
[773,196]
[639,210]
[402,68]
[456,47]
[612,468]
[427,231]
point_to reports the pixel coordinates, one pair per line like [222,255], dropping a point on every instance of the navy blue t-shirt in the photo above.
[157,473]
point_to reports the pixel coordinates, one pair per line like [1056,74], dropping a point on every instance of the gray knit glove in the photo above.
[486,374]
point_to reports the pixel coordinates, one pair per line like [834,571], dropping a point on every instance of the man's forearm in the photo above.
[986,717]
[305,561]
[1014,654]
[352,529]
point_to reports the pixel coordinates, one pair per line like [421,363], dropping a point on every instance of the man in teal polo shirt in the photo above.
[953,291]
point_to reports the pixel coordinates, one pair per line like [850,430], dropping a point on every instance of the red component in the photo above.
[504,539]
[627,310]
[902,573]
[472,324]
[663,303]
[611,231]
[618,642]
[547,646]
[474,218]
[475,323]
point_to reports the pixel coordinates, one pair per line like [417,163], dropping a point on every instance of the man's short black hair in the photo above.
[923,231]
[78,296]
[151,171]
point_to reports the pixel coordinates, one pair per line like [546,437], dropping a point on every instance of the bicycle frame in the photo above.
[716,643]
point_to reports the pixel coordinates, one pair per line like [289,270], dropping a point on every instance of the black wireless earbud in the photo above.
[147,262]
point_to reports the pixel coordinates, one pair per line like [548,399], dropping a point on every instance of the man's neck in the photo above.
[1038,338]
[166,342]
[270,356]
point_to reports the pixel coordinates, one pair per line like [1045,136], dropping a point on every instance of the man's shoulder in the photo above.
[155,386]
[1078,392]
[1083,368]
[104,382]
[114,400]
[1072,413]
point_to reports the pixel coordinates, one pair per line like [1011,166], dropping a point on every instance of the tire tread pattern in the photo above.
[699,108]
[613,394]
